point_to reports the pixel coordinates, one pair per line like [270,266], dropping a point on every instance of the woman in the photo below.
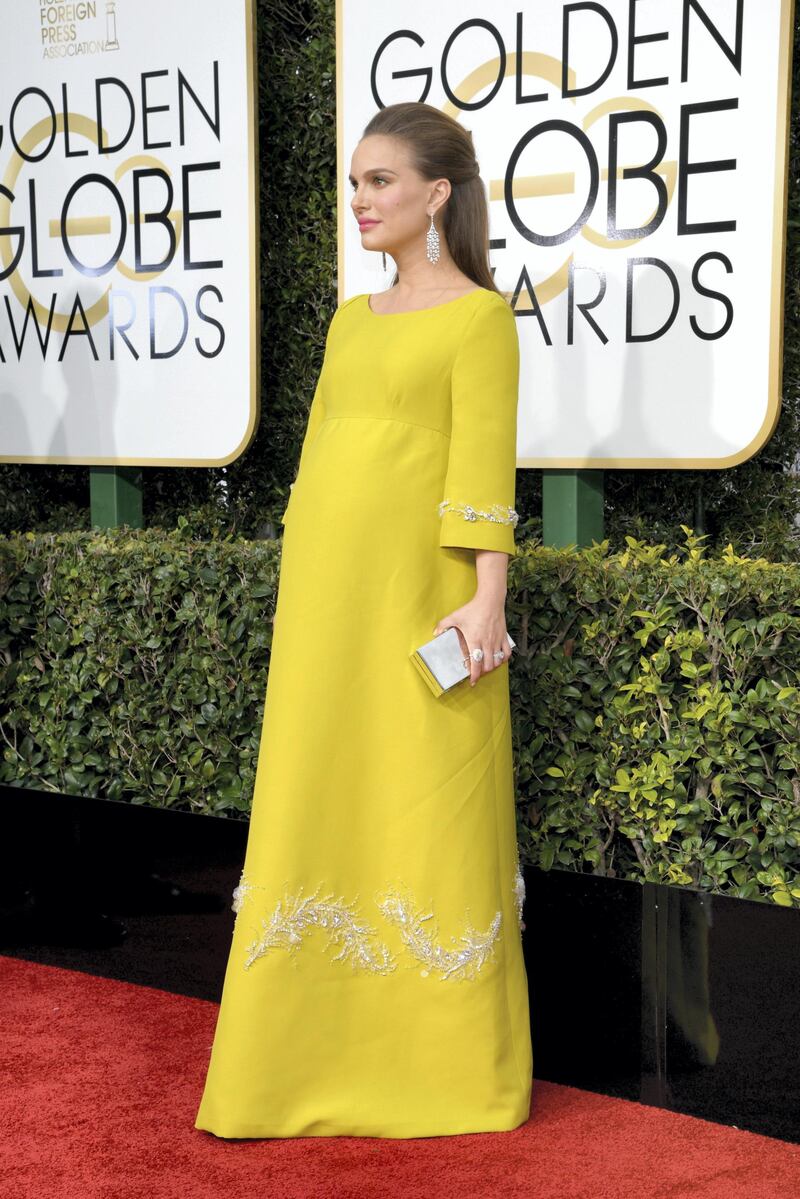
[376,983]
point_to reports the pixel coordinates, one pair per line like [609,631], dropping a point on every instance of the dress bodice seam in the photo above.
[396,419]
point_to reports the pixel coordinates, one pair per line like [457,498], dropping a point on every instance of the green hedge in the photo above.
[657,715]
[655,699]
[135,665]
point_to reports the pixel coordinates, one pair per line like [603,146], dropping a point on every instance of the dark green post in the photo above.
[572,507]
[115,494]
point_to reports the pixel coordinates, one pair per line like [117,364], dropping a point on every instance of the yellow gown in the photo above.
[376,984]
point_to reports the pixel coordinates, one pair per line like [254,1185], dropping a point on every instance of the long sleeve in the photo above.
[477,509]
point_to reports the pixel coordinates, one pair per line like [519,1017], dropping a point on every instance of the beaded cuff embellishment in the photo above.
[500,514]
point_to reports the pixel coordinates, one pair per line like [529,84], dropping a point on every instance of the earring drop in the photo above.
[432,240]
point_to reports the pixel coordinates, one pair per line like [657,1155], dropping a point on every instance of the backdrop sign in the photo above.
[635,161]
[127,233]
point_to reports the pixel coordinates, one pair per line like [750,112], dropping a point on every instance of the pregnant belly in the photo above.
[372,479]
[361,531]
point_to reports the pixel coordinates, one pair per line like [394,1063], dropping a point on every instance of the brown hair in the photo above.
[441,148]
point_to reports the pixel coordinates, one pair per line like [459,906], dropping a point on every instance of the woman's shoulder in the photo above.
[490,296]
[346,303]
[490,308]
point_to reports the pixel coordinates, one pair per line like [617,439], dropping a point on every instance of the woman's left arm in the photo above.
[483,618]
[477,511]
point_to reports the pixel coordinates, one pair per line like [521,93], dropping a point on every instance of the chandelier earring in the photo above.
[432,240]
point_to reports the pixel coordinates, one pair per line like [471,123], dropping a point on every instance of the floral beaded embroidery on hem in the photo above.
[519,894]
[294,914]
[358,942]
[463,961]
[498,513]
[241,892]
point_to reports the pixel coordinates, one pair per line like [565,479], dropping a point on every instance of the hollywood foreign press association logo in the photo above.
[77,29]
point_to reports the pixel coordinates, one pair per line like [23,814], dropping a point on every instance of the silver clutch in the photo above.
[441,661]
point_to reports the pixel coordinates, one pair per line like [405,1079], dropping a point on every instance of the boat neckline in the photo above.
[416,311]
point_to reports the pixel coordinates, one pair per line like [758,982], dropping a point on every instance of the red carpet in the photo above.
[101,1080]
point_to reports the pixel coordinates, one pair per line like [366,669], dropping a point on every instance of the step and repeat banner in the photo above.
[128,241]
[635,162]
